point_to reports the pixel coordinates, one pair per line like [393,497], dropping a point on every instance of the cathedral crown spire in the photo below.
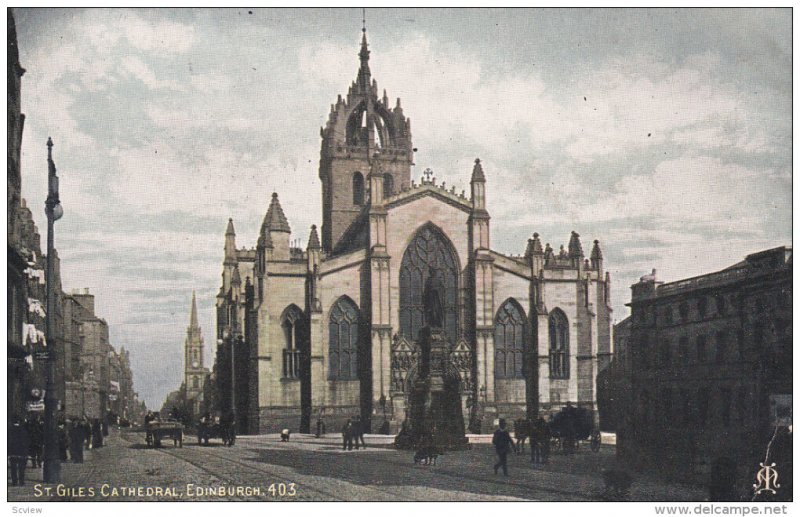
[230,244]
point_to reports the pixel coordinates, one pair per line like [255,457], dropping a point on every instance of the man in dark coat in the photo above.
[18,445]
[36,436]
[358,427]
[503,443]
[347,436]
[76,439]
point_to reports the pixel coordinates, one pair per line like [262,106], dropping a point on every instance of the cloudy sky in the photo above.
[666,134]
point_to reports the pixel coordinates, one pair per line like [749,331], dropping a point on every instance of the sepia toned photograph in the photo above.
[238,272]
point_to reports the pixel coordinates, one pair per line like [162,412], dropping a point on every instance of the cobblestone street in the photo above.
[311,469]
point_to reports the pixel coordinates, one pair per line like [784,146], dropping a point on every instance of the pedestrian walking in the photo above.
[545,440]
[502,445]
[87,432]
[358,427]
[97,434]
[18,446]
[35,427]
[347,436]
[63,439]
[537,432]
[521,433]
[76,440]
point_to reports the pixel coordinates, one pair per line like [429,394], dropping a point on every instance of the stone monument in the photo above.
[435,417]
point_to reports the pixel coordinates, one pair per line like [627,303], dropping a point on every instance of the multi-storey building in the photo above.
[711,375]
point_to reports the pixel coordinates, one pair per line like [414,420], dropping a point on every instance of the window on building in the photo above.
[688,408]
[721,305]
[702,406]
[666,352]
[701,349]
[722,346]
[668,315]
[683,310]
[195,383]
[741,404]
[509,341]
[358,188]
[702,306]
[740,344]
[429,250]
[388,185]
[683,350]
[666,404]
[291,322]
[559,345]
[725,406]
[343,341]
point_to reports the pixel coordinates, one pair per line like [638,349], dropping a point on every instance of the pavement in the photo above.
[262,468]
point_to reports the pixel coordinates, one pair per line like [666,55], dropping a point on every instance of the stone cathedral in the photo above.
[331,330]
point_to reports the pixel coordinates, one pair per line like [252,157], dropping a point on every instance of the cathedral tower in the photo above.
[361,129]
[194,373]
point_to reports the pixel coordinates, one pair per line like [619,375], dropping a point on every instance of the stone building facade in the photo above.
[331,329]
[711,376]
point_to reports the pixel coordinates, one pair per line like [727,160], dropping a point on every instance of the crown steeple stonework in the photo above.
[362,127]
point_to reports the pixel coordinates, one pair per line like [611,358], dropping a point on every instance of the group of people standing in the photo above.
[353,434]
[26,442]
[539,434]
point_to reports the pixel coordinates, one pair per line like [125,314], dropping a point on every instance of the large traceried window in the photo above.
[509,341]
[343,340]
[291,322]
[428,250]
[559,345]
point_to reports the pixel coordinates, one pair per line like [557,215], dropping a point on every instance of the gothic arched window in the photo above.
[343,341]
[291,322]
[195,383]
[559,345]
[358,188]
[509,341]
[388,186]
[429,249]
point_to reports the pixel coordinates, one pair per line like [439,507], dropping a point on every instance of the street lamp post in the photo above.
[54,211]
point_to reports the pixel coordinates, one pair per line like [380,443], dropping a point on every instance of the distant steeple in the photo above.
[193,317]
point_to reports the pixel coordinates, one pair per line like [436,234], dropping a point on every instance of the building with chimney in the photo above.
[710,372]
[332,329]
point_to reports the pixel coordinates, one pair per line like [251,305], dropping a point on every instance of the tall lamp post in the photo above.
[54,211]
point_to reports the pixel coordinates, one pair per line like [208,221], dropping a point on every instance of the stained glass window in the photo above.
[388,186]
[509,341]
[343,341]
[559,345]
[428,250]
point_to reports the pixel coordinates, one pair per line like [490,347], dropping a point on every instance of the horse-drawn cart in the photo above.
[571,425]
[157,430]
[215,427]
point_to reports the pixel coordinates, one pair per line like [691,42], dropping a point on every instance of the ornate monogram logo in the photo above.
[766,479]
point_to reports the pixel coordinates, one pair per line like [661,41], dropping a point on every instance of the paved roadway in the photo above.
[312,469]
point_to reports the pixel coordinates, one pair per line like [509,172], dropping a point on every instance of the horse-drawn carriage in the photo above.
[215,427]
[571,425]
[158,429]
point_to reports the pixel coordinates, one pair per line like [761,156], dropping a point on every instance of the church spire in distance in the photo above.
[193,317]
